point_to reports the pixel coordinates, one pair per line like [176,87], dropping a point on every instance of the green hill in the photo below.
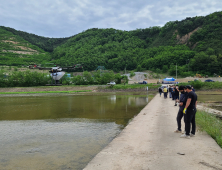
[195,41]
[14,50]
[45,43]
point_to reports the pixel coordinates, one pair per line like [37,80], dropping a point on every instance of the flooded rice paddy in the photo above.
[61,132]
[211,99]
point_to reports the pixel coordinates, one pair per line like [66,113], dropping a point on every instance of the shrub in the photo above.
[197,84]
[132,74]
[24,79]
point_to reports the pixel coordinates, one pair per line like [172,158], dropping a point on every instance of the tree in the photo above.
[165,68]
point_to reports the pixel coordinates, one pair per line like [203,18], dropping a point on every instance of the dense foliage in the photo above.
[118,50]
[23,79]
[97,78]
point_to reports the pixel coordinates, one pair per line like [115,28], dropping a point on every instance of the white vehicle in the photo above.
[112,83]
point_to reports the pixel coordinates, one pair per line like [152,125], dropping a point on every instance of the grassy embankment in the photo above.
[211,124]
[198,85]
[150,86]
[35,92]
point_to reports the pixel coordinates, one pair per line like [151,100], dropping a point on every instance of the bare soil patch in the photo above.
[184,39]
[7,41]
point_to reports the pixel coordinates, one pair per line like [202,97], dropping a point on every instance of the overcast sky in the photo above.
[64,18]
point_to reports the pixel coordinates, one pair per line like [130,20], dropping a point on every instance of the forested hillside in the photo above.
[14,50]
[193,44]
[195,41]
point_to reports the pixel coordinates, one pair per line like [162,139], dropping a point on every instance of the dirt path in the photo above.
[148,143]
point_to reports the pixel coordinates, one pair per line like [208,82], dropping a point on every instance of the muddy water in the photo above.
[213,100]
[61,132]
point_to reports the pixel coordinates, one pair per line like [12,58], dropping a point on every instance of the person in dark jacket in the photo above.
[173,92]
[182,103]
[160,91]
[189,113]
[170,91]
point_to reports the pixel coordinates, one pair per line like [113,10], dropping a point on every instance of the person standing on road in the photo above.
[170,92]
[173,92]
[182,101]
[160,91]
[176,95]
[189,113]
[165,92]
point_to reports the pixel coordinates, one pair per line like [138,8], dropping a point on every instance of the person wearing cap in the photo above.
[189,113]
[182,103]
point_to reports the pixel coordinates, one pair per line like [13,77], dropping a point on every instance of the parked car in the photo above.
[144,82]
[209,80]
[194,80]
[111,83]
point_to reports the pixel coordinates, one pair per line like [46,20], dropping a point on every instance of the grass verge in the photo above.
[133,86]
[211,124]
[35,92]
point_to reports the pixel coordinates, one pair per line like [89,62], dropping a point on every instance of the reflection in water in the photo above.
[61,132]
[113,98]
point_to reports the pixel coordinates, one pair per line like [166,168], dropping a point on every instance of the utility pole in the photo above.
[176,70]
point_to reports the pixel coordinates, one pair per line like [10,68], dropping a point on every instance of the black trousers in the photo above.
[165,94]
[173,94]
[179,117]
[189,119]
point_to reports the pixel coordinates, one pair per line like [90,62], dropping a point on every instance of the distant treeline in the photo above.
[28,79]
[96,78]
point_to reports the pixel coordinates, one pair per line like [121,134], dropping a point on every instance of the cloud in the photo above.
[63,18]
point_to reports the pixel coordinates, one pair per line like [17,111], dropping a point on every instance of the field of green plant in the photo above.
[134,86]
[211,124]
[204,85]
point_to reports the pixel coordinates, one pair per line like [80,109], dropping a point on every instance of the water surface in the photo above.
[61,132]
[214,100]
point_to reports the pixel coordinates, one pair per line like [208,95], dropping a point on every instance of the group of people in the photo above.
[187,102]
